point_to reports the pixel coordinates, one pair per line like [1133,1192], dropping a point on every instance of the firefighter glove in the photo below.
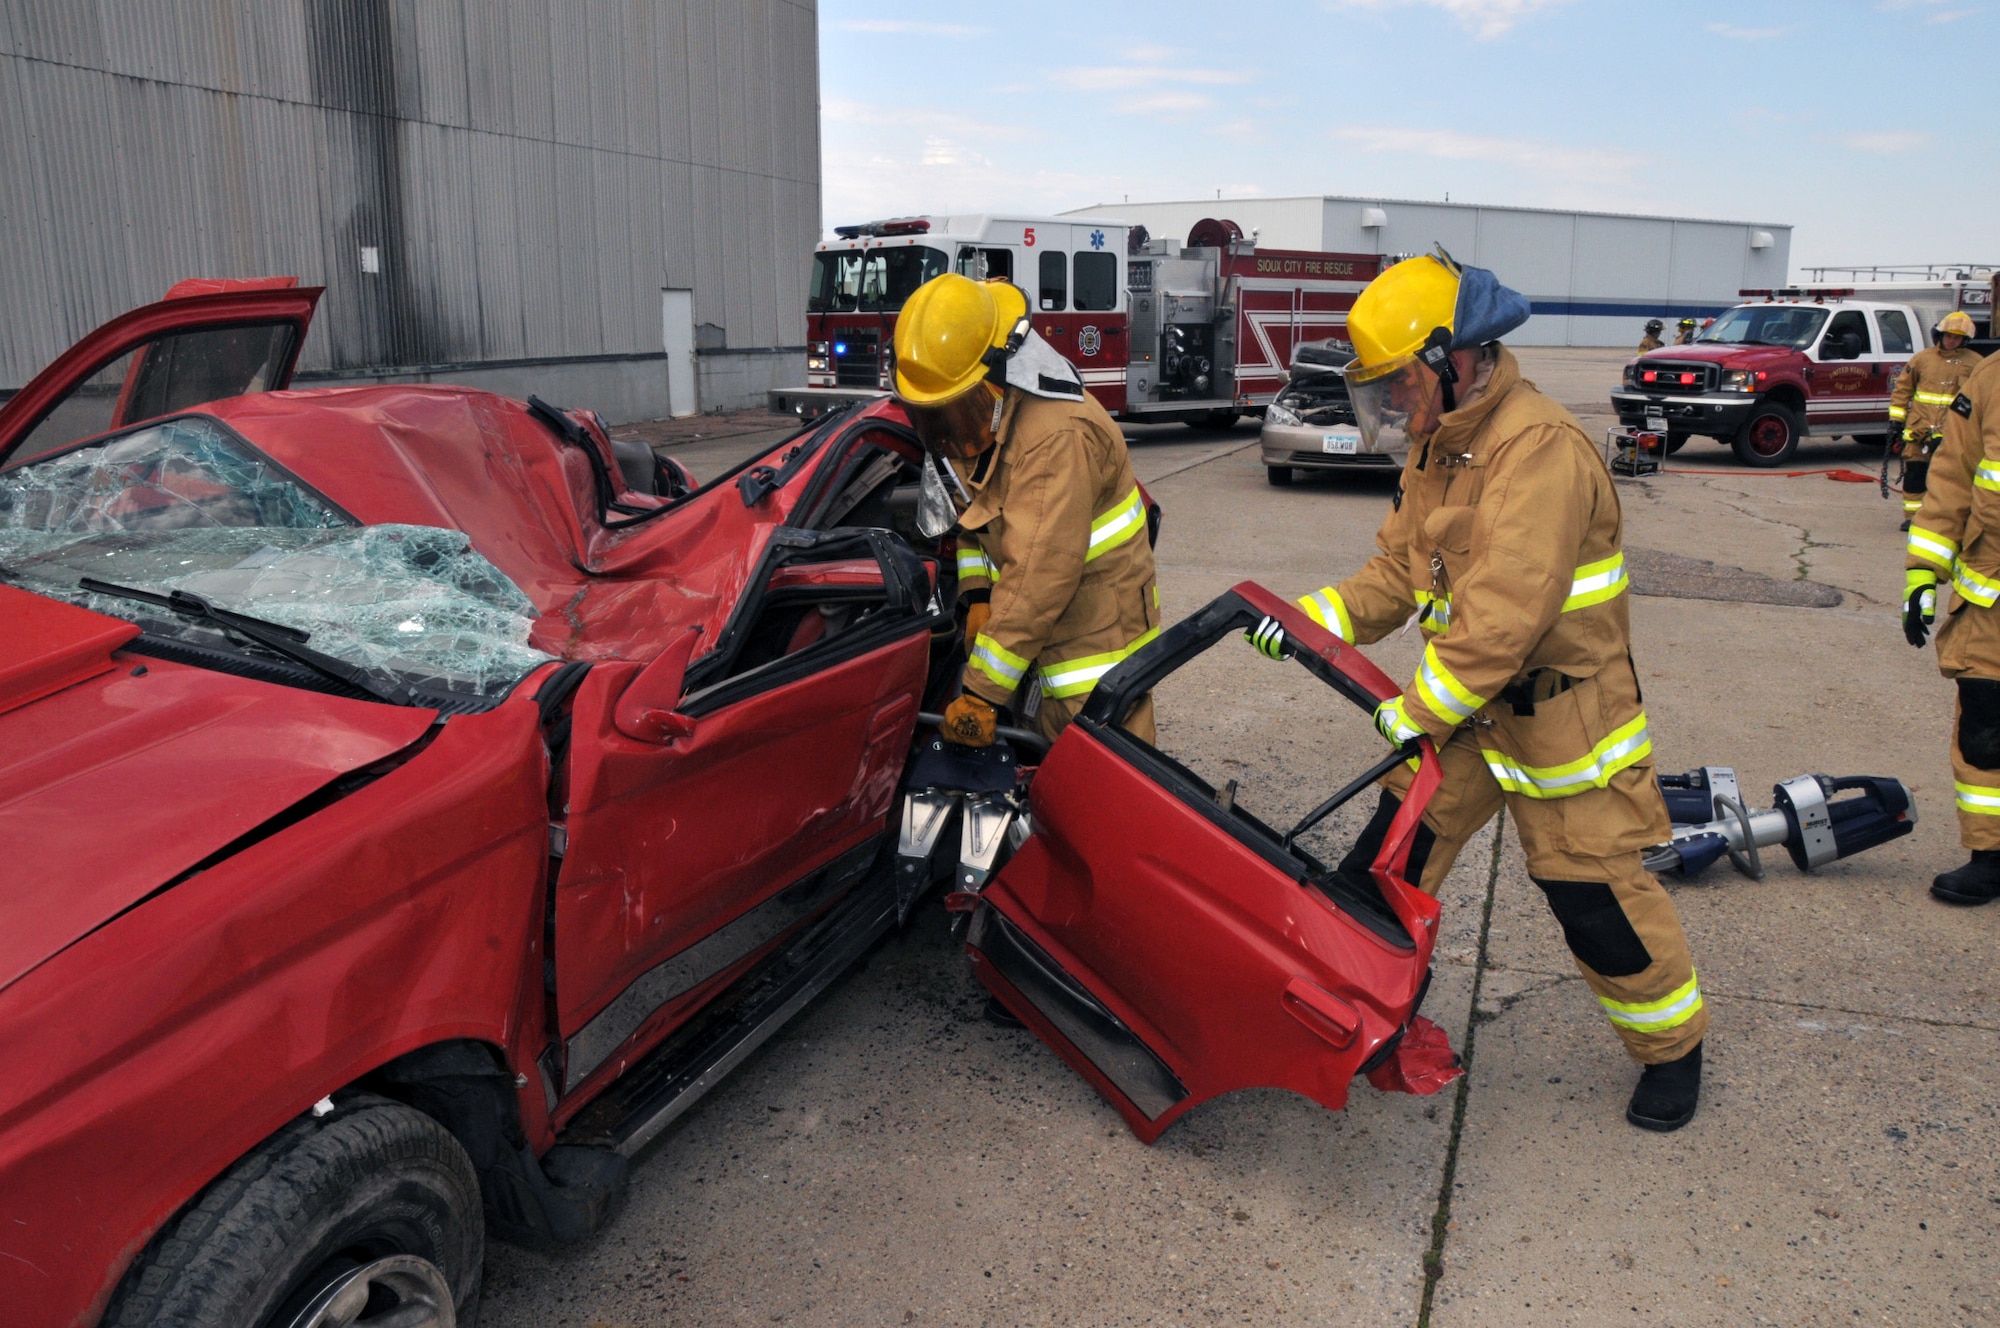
[970,721]
[1268,637]
[975,620]
[1393,724]
[1895,439]
[1919,605]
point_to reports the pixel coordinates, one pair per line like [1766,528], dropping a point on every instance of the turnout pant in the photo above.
[1620,923]
[1968,644]
[1914,473]
[1053,715]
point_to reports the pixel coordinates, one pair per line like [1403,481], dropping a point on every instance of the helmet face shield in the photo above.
[1388,400]
[960,428]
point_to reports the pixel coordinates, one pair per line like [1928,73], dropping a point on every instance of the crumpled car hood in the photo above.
[112,787]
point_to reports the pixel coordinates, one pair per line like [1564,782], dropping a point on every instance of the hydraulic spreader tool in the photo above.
[1818,818]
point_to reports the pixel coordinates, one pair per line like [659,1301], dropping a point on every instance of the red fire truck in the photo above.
[1201,332]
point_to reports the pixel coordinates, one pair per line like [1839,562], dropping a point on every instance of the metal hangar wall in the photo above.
[496,194]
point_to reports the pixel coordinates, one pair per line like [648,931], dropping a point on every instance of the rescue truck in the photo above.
[1790,363]
[1200,332]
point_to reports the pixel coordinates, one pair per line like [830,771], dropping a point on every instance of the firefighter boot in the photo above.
[1667,1093]
[1977,882]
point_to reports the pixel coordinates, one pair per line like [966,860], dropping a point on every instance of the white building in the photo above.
[1593,278]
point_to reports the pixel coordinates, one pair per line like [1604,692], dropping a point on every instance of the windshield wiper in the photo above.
[287,642]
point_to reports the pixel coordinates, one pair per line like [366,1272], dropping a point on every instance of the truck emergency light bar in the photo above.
[893,226]
[1800,292]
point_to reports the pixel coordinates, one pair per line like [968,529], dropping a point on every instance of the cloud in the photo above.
[1486,18]
[1526,154]
[910,27]
[1936,16]
[1735,33]
[1243,129]
[1131,78]
[842,111]
[1948,15]
[1888,142]
[1165,103]
[1151,55]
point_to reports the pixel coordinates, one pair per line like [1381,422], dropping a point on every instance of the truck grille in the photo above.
[1673,378]
[860,363]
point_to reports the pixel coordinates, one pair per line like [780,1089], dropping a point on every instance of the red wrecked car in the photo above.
[412,802]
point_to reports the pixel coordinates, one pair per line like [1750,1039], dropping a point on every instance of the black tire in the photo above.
[1279,476]
[1770,437]
[375,1194]
[1675,442]
[1212,419]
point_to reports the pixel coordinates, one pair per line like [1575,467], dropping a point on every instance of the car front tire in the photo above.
[1770,437]
[370,1214]
[1279,476]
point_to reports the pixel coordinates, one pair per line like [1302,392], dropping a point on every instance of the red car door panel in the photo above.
[686,857]
[1172,948]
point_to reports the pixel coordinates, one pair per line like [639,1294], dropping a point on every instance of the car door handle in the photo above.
[1324,1014]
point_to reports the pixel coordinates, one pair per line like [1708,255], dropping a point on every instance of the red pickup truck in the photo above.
[1768,373]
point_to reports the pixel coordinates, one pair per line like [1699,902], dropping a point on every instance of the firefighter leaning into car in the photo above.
[1055,566]
[1651,341]
[1953,538]
[1924,391]
[1504,540]
[1684,332]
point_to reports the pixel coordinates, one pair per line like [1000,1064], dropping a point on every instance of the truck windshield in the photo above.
[1793,325]
[878,280]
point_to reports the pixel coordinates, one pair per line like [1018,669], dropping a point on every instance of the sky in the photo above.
[1869,127]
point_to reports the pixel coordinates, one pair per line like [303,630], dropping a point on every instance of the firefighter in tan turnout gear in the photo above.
[1924,391]
[1955,538]
[1055,565]
[1504,542]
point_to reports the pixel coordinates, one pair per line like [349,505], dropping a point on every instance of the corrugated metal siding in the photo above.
[532,171]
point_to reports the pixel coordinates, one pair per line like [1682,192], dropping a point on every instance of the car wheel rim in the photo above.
[1767,436]
[399,1291]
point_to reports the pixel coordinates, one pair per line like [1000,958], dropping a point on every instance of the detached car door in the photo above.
[183,352]
[700,834]
[1171,946]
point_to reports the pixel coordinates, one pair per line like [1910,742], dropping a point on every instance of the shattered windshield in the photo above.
[185,505]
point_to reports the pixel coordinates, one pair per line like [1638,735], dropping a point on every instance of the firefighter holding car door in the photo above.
[1055,565]
[1504,541]
[1955,536]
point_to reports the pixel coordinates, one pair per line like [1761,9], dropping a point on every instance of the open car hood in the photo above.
[133,771]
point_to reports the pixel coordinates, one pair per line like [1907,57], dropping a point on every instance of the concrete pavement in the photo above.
[891,1158]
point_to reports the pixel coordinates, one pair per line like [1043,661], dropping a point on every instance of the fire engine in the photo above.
[1200,332]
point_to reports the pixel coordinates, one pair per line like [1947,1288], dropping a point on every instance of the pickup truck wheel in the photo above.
[1769,437]
[1279,476]
[369,1215]
[1675,442]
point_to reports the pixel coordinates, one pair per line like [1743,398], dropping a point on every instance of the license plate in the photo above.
[1657,423]
[1346,442]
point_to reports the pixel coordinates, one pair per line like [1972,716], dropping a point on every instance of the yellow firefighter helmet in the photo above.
[1394,316]
[946,333]
[1957,323]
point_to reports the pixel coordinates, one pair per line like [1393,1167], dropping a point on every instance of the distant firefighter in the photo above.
[1651,341]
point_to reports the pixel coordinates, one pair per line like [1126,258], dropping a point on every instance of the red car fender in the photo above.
[154,1052]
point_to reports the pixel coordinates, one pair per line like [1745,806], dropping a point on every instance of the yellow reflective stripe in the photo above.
[1936,398]
[1987,476]
[1326,608]
[997,662]
[973,562]
[1116,526]
[1980,590]
[1444,694]
[1932,547]
[1913,505]
[1439,617]
[1074,677]
[1898,412]
[1627,744]
[1978,799]
[1656,1016]
[1597,582]
[1918,578]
